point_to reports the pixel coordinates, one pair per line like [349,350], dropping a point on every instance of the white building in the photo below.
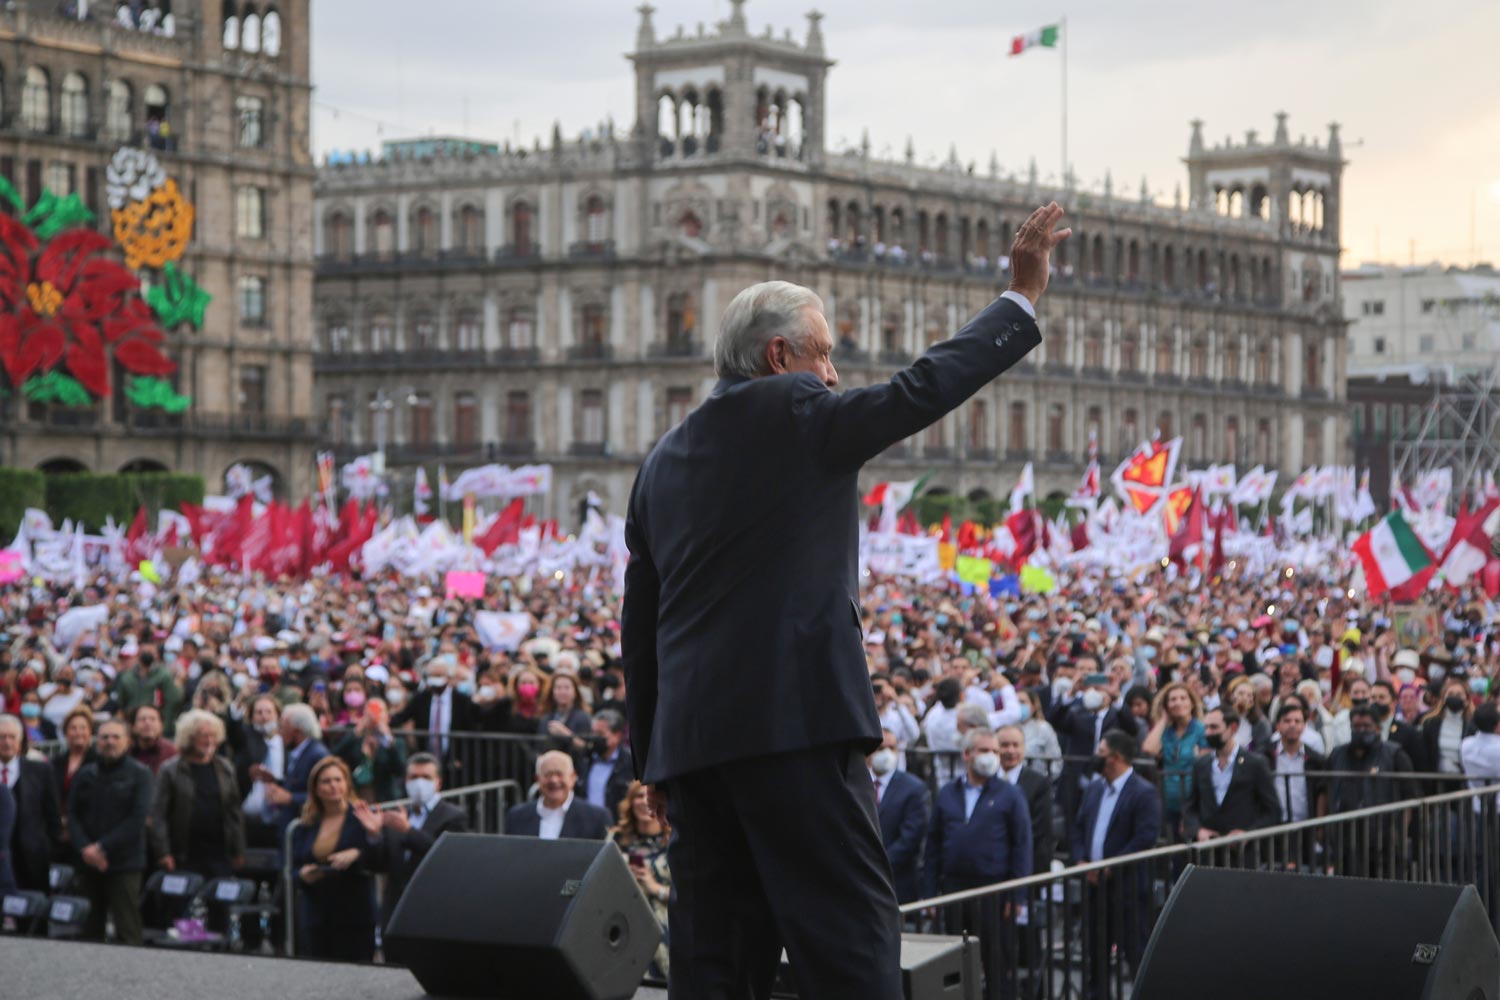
[1418,319]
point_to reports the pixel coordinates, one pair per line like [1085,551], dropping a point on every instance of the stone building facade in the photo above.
[218,91]
[559,303]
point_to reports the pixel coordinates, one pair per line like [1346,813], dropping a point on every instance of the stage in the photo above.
[39,969]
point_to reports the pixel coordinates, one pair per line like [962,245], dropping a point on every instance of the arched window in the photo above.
[119,116]
[424,231]
[382,334]
[982,239]
[158,118]
[681,319]
[250,31]
[470,229]
[1093,349]
[940,241]
[689,225]
[336,335]
[423,333]
[1057,347]
[75,106]
[1133,262]
[338,236]
[250,113]
[1232,357]
[270,33]
[468,334]
[1263,361]
[231,25]
[1164,425]
[36,100]
[1096,258]
[1232,438]
[465,420]
[382,233]
[1198,357]
[520,229]
[1312,369]
[1130,352]
[1164,352]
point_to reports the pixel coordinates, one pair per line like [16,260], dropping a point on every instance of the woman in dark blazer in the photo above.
[78,750]
[335,850]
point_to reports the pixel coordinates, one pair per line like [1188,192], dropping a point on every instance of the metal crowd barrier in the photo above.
[473,758]
[485,805]
[1081,931]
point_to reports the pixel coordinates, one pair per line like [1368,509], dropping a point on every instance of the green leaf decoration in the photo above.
[51,214]
[147,392]
[10,194]
[57,387]
[178,299]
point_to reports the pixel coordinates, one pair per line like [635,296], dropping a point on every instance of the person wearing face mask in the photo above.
[902,803]
[260,764]
[1392,730]
[1232,789]
[410,832]
[1120,814]
[1082,725]
[981,828]
[61,696]
[438,710]
[1366,756]
[1444,729]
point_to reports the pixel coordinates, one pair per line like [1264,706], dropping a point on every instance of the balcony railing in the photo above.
[685,348]
[517,449]
[981,454]
[602,249]
[152,423]
[591,352]
[937,451]
[518,256]
[899,358]
[409,261]
[1018,454]
[418,359]
[588,449]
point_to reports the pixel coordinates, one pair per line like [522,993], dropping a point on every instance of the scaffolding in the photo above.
[1460,427]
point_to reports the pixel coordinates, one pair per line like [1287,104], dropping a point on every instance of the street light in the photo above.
[381,406]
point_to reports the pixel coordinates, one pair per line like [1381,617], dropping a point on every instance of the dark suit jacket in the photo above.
[1038,791]
[620,777]
[7,831]
[1075,730]
[253,751]
[903,812]
[1429,755]
[583,821]
[418,711]
[295,781]
[1348,794]
[740,623]
[404,851]
[1249,804]
[38,830]
[340,898]
[992,845]
[172,811]
[1313,765]
[1133,826]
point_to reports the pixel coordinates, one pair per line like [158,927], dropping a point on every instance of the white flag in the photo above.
[1025,487]
[421,493]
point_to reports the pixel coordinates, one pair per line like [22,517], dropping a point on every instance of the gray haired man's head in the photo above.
[772,328]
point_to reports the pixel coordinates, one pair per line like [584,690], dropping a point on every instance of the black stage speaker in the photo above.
[518,918]
[1243,935]
[933,967]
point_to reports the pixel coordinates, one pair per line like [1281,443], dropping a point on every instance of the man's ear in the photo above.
[776,355]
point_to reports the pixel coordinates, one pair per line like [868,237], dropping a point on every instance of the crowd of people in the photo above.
[186,726]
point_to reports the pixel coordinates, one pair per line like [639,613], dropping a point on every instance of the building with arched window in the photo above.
[587,273]
[218,92]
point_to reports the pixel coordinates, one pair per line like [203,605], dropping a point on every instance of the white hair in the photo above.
[756,316]
[552,755]
[304,719]
[973,736]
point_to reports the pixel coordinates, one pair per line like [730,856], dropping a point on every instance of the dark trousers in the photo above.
[114,894]
[781,851]
[1116,913]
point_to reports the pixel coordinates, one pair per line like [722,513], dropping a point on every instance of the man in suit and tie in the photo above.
[749,696]
[1119,815]
[608,769]
[38,825]
[1233,790]
[410,834]
[1037,789]
[303,738]
[557,814]
[440,709]
[902,802]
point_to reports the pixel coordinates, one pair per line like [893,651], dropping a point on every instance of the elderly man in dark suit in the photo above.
[303,738]
[1119,815]
[748,697]
[1233,790]
[903,803]
[38,820]
[410,833]
[557,814]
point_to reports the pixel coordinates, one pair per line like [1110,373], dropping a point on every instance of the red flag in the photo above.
[947,536]
[968,536]
[137,544]
[506,529]
[222,544]
[194,515]
[1022,525]
[1190,529]
[256,542]
[1080,535]
[907,524]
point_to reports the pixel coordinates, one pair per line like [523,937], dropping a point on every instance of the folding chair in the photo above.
[258,919]
[61,878]
[168,896]
[221,897]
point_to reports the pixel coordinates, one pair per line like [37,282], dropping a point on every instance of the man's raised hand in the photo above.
[1031,253]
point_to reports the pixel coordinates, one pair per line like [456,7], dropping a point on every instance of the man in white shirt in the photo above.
[557,813]
[1480,753]
[895,717]
[265,764]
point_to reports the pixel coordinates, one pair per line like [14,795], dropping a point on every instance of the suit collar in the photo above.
[728,382]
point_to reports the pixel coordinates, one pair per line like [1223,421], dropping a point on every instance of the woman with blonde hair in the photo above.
[1176,739]
[643,838]
[197,823]
[335,848]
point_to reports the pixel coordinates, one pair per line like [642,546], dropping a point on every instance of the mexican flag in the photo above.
[890,497]
[1045,37]
[1391,554]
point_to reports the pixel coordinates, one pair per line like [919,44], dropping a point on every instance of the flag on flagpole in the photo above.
[1025,487]
[421,493]
[891,497]
[1044,37]
[1391,554]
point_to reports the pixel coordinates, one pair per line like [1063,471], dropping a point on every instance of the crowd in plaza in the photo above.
[192,725]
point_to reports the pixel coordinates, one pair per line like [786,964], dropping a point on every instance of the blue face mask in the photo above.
[466,688]
[31,710]
[941,620]
[1025,711]
[1149,651]
[283,660]
[1479,685]
[896,618]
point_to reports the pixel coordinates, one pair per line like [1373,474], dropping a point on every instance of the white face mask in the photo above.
[987,764]
[1062,686]
[1092,699]
[1436,673]
[883,761]
[1406,675]
[269,729]
[421,791]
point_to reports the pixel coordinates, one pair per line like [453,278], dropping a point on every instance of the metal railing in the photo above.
[1082,930]
[485,805]
[474,758]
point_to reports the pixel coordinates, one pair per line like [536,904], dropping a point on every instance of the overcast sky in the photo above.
[1412,83]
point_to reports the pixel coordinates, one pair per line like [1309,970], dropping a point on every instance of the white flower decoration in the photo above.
[132,175]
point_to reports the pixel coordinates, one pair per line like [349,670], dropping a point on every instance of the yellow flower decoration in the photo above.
[154,231]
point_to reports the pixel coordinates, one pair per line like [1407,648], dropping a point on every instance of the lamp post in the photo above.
[381,406]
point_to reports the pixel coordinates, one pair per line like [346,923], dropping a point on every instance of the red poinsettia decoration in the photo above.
[63,303]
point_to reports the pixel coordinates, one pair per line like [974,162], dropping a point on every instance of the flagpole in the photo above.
[1063,44]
